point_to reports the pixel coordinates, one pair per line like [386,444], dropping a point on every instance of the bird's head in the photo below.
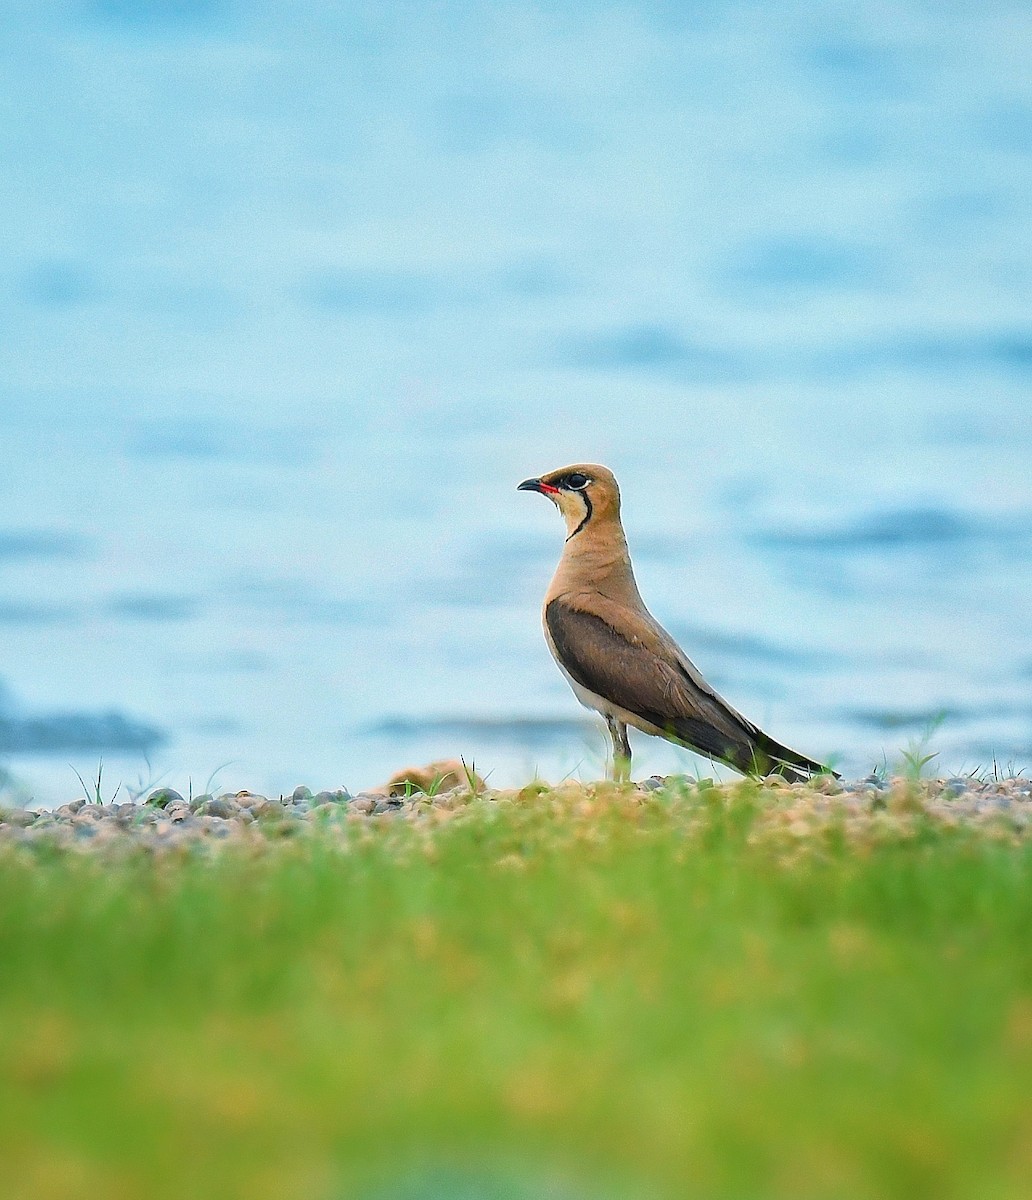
[585,494]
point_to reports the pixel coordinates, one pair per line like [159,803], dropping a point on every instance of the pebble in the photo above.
[324,812]
[21,817]
[163,797]
[876,782]
[218,806]
[246,799]
[339,797]
[267,809]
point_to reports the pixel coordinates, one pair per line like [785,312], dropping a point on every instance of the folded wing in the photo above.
[663,689]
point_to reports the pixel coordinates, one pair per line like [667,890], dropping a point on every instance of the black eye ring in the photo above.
[576,482]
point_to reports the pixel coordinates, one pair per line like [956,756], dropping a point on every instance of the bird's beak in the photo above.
[535,485]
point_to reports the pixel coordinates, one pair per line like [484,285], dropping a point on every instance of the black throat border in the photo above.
[587,516]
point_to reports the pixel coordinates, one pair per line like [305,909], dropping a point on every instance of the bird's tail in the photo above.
[765,757]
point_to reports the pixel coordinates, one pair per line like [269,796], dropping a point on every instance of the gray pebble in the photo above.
[324,812]
[163,797]
[268,810]
[874,781]
[956,787]
[219,806]
[341,796]
[21,817]
[198,802]
[301,793]
[653,783]
[249,800]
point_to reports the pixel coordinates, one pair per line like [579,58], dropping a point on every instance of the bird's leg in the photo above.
[621,750]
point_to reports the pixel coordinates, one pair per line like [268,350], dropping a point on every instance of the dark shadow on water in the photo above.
[1003,350]
[1008,348]
[768,273]
[902,528]
[37,614]
[144,607]
[58,285]
[857,71]
[295,602]
[803,263]
[63,733]
[657,349]
[528,732]
[162,15]
[695,638]
[916,720]
[40,544]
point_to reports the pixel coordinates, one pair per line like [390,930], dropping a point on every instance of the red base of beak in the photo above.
[535,485]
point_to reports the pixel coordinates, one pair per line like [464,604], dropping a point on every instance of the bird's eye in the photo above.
[577,482]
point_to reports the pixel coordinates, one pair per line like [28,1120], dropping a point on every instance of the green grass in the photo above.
[566,996]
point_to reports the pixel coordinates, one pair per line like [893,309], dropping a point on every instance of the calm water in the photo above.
[291,299]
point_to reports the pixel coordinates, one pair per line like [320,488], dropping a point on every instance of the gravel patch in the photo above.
[867,808]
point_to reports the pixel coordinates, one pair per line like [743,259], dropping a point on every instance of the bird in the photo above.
[617,657]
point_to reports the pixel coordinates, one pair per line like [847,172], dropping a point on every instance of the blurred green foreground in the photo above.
[565,996]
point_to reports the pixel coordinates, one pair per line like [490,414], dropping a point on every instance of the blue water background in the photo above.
[292,296]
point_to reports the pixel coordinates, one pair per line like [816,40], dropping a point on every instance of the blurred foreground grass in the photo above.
[570,995]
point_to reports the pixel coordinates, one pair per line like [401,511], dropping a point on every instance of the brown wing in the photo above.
[663,692]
